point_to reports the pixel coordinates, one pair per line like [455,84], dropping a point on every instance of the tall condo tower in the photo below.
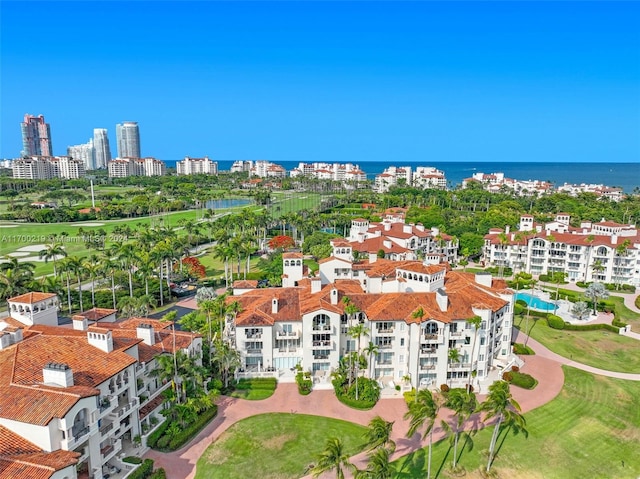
[128,137]
[101,146]
[85,153]
[36,136]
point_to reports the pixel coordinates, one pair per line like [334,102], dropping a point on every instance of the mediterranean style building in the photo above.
[606,252]
[330,171]
[423,177]
[71,398]
[399,240]
[414,313]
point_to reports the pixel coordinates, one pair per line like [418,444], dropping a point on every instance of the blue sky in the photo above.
[330,81]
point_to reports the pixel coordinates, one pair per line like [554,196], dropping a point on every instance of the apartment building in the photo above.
[125,167]
[330,171]
[606,251]
[400,240]
[414,312]
[48,167]
[602,191]
[73,399]
[266,169]
[498,183]
[423,177]
[194,166]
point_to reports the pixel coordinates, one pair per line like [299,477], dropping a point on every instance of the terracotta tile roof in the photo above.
[133,323]
[333,258]
[245,284]
[256,306]
[340,243]
[375,244]
[30,298]
[418,267]
[95,314]
[292,256]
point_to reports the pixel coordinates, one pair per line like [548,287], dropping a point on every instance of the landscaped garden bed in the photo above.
[255,388]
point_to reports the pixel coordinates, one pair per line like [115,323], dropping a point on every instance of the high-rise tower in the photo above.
[101,146]
[36,136]
[128,137]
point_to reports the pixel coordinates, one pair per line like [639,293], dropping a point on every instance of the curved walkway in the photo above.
[544,366]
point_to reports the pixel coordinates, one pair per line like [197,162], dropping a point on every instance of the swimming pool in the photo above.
[536,303]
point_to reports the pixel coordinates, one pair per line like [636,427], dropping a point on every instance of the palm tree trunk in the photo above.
[455,447]
[130,283]
[430,444]
[80,292]
[93,291]
[68,293]
[113,289]
[494,439]
[161,292]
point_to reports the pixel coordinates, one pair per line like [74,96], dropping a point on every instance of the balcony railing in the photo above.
[254,351]
[321,328]
[254,335]
[427,367]
[286,334]
[427,351]
[287,350]
[324,344]
[385,345]
[385,331]
[459,365]
[320,356]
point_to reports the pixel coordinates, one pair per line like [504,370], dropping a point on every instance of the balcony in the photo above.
[457,366]
[254,351]
[385,362]
[385,331]
[456,334]
[106,405]
[320,357]
[427,367]
[125,409]
[432,338]
[321,327]
[287,334]
[321,344]
[111,450]
[254,335]
[384,345]
[427,351]
[78,435]
[105,430]
[287,350]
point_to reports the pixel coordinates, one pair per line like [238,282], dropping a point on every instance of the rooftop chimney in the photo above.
[80,323]
[145,332]
[316,285]
[484,279]
[100,338]
[274,306]
[334,296]
[442,299]
[57,374]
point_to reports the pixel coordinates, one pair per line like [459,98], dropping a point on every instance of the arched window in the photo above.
[298,263]
[420,278]
[602,251]
[286,262]
[431,328]
[321,322]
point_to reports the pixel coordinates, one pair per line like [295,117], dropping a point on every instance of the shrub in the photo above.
[515,368]
[163,442]
[143,471]
[519,309]
[555,322]
[522,380]
[158,474]
[193,429]
[590,327]
[304,383]
[444,388]
[507,376]
[522,349]
[157,434]
[132,460]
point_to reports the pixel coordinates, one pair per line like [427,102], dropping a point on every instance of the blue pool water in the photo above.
[535,302]
[228,203]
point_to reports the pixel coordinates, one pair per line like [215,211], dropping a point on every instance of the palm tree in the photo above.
[418,314]
[423,413]
[109,267]
[621,250]
[66,267]
[53,251]
[333,457]
[171,317]
[379,466]
[378,434]
[474,321]
[227,358]
[463,404]
[454,358]
[127,255]
[92,266]
[501,405]
[75,265]
[371,350]
[356,332]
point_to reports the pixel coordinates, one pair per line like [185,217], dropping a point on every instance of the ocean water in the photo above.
[623,175]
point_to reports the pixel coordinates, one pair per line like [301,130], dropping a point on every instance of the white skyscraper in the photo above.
[84,153]
[101,146]
[128,137]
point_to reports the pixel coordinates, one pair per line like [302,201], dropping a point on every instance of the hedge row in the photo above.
[158,474]
[258,383]
[143,471]
[555,322]
[523,380]
[153,438]
[352,403]
[192,430]
[590,327]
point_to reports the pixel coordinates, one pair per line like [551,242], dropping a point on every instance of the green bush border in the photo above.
[143,471]
[523,380]
[523,350]
[352,403]
[186,434]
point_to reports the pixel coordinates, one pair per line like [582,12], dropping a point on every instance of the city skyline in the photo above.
[331,81]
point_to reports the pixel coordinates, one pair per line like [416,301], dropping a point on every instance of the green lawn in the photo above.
[586,432]
[255,389]
[273,446]
[600,349]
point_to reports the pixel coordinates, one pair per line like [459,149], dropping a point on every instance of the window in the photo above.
[481,357]
[401,341]
[482,341]
[401,359]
